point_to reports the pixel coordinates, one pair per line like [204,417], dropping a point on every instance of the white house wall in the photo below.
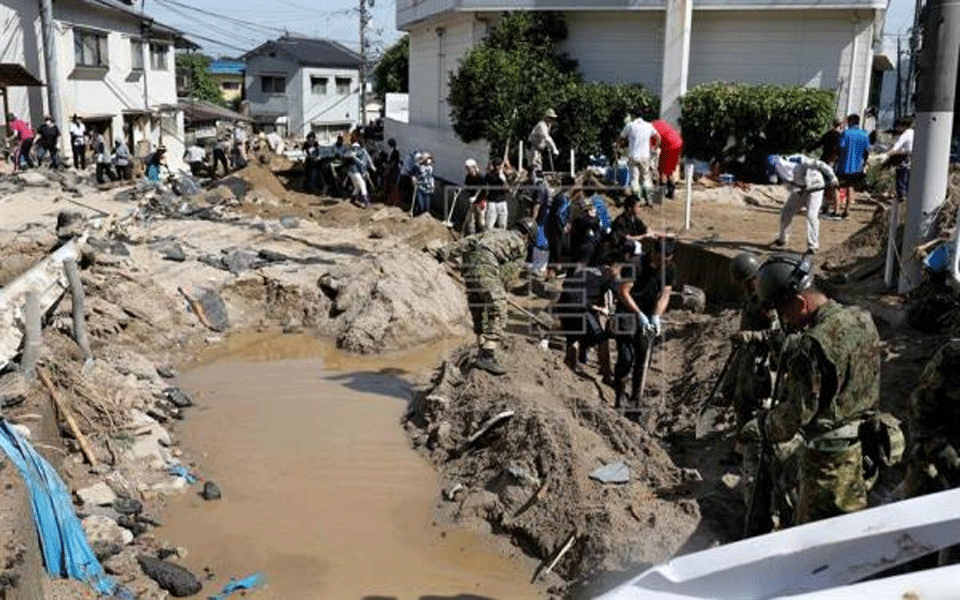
[784,48]
[269,103]
[433,58]
[331,108]
[622,47]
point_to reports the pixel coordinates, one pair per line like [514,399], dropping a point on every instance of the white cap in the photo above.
[470,163]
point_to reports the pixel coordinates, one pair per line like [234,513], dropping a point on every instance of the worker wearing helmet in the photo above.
[828,379]
[489,262]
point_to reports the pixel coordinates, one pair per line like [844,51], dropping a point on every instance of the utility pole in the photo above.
[936,90]
[364,21]
[50,64]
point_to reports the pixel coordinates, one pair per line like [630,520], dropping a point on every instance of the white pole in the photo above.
[689,181]
[892,243]
[520,156]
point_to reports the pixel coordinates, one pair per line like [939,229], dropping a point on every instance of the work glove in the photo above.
[643,323]
[656,325]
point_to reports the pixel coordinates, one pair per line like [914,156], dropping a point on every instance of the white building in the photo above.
[666,45]
[114,69]
[300,85]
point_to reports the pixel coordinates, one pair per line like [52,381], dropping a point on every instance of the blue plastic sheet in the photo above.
[66,552]
[247,583]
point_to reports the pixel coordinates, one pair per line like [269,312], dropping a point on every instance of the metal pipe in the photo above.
[50,64]
[689,182]
[888,270]
[932,130]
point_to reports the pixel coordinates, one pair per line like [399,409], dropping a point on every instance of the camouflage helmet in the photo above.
[527,227]
[782,276]
[744,267]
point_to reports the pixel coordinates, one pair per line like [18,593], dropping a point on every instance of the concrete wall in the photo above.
[262,103]
[89,93]
[448,151]
[330,108]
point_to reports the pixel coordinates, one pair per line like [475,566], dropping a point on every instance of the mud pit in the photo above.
[328,499]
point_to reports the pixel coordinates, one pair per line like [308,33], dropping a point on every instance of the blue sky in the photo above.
[335,19]
[241,25]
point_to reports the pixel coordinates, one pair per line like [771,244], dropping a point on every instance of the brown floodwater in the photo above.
[321,490]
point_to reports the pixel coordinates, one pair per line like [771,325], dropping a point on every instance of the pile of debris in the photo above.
[538,455]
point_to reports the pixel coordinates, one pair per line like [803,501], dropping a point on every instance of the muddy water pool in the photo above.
[321,491]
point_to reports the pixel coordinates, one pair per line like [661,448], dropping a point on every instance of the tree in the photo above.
[392,74]
[506,82]
[202,86]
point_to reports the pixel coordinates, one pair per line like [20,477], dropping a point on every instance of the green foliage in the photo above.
[880,180]
[745,123]
[201,84]
[504,85]
[392,73]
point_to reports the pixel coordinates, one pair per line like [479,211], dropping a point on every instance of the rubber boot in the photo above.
[488,362]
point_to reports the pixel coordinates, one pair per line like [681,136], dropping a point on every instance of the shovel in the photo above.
[708,415]
[453,206]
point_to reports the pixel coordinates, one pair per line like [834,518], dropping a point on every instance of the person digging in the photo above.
[488,260]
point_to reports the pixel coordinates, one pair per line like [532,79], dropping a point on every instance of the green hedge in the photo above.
[591,114]
[739,125]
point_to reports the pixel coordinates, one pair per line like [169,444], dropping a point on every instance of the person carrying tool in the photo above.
[807,179]
[540,142]
[828,382]
[640,137]
[489,262]
[643,296]
[476,218]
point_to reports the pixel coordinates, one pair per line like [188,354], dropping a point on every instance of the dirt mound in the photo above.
[529,477]
[869,243]
[260,177]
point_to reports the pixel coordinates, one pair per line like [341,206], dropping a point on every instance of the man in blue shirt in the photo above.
[851,166]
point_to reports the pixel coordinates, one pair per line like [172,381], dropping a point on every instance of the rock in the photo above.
[69,224]
[238,187]
[178,397]
[378,232]
[128,506]
[13,389]
[34,179]
[124,196]
[170,577]
[731,480]
[289,222]
[136,527]
[23,430]
[451,493]
[98,494]
[170,251]
[215,310]
[103,529]
[693,299]
[114,247]
[105,550]
[120,486]
[239,261]
[9,187]
[174,485]
[691,474]
[166,372]
[210,491]
[617,472]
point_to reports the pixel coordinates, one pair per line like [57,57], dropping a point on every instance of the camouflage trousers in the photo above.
[748,380]
[487,300]
[831,480]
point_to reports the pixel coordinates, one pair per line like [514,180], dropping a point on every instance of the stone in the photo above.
[239,261]
[132,524]
[691,474]
[617,472]
[34,179]
[731,480]
[210,491]
[124,196]
[238,187]
[178,397]
[113,247]
[128,506]
[452,492]
[69,224]
[98,494]
[105,550]
[174,485]
[9,187]
[103,529]
[13,389]
[378,232]
[289,222]
[166,372]
[215,310]
[170,577]
[170,251]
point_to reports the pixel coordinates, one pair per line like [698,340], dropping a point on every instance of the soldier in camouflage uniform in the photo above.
[935,425]
[827,381]
[489,261]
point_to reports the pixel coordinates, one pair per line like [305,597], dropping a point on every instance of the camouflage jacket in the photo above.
[484,254]
[936,404]
[829,377]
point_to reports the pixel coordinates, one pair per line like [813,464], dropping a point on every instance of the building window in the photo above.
[90,48]
[158,56]
[343,85]
[136,55]
[230,86]
[318,85]
[273,85]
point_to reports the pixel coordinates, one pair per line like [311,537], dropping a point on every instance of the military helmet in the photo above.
[783,275]
[527,227]
[744,267]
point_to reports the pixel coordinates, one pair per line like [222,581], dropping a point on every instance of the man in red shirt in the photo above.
[670,145]
[23,133]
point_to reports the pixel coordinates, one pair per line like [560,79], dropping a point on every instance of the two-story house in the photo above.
[666,45]
[114,68]
[229,77]
[297,85]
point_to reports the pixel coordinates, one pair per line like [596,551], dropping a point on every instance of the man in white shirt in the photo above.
[78,142]
[640,136]
[541,141]
[900,154]
[196,158]
[240,140]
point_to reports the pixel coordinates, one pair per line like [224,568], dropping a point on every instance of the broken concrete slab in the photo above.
[98,494]
[34,179]
[170,250]
[617,472]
